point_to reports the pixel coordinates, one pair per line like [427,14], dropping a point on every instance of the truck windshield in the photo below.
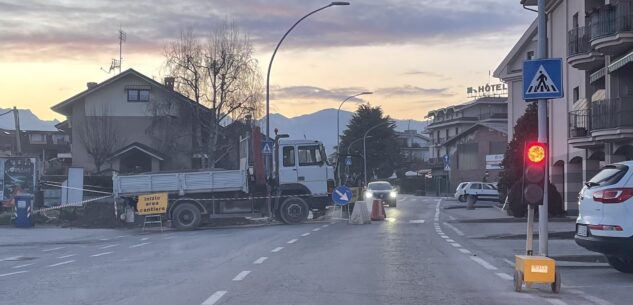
[323,154]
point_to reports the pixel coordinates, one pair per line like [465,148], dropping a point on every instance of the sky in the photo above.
[415,55]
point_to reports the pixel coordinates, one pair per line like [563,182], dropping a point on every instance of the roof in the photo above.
[144,148]
[527,36]
[62,107]
[481,100]
[500,127]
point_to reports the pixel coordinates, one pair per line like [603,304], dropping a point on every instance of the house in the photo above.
[132,123]
[414,147]
[463,137]
[591,126]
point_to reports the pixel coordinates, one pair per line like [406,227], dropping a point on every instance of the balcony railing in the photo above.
[612,113]
[612,19]
[579,123]
[578,40]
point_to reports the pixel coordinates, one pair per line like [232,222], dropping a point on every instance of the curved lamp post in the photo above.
[365,146]
[270,64]
[338,129]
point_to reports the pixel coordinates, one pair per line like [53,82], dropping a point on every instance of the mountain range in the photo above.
[28,121]
[321,125]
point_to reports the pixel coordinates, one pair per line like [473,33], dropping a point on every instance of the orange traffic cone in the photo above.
[377,210]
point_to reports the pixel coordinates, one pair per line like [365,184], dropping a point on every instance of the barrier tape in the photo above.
[253,198]
[74,204]
[76,188]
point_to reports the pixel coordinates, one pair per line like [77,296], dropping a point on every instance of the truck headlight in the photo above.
[393,194]
[368,194]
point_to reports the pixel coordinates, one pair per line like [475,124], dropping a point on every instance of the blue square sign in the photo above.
[543,79]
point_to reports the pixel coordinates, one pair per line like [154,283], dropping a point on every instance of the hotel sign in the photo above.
[488,90]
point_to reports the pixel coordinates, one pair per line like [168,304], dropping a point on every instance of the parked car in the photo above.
[605,220]
[480,190]
[382,190]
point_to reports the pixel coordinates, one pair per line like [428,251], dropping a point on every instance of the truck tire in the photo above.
[293,210]
[186,216]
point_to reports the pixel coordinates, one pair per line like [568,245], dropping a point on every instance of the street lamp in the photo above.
[365,146]
[338,130]
[272,58]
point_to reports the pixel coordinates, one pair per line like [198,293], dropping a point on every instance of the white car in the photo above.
[605,220]
[480,190]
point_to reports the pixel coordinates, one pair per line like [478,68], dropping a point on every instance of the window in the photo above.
[310,155]
[530,55]
[488,187]
[137,95]
[37,138]
[289,156]
[60,139]
[575,21]
[456,130]
[475,186]
[610,174]
[447,134]
[576,94]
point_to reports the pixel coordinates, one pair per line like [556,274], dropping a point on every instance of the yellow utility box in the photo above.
[536,270]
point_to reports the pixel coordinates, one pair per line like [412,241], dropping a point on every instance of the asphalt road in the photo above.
[412,258]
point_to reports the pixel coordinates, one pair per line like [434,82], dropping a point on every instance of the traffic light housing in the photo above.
[534,172]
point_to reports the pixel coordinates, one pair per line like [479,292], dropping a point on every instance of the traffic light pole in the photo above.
[542,136]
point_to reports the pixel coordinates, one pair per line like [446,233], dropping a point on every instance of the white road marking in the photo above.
[277,249]
[62,263]
[139,245]
[22,266]
[214,298]
[555,301]
[317,229]
[416,221]
[465,251]
[104,239]
[452,227]
[504,276]
[509,262]
[169,237]
[52,249]
[240,276]
[12,273]
[305,234]
[108,246]
[12,258]
[594,300]
[325,226]
[456,245]
[450,240]
[67,256]
[444,236]
[451,217]
[101,254]
[122,236]
[483,263]
[292,241]
[260,260]
[144,238]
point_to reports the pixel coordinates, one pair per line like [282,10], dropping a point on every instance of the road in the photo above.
[415,257]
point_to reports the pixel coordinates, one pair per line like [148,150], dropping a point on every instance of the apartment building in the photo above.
[463,137]
[593,124]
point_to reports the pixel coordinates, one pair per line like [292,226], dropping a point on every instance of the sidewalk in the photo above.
[504,236]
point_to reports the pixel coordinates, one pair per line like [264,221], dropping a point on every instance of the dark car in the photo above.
[381,190]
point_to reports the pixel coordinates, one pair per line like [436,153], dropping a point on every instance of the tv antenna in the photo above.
[116,64]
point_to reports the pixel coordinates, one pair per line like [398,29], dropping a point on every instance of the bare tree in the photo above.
[99,136]
[222,75]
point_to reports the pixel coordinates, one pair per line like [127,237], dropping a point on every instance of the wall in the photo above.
[483,136]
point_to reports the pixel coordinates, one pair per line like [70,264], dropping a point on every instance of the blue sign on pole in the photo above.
[267,147]
[348,161]
[342,195]
[543,79]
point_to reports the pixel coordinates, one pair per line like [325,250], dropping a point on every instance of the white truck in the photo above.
[301,181]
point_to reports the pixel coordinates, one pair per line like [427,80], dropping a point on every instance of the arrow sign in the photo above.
[342,195]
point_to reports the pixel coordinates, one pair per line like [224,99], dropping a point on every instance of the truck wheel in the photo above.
[186,216]
[293,210]
[622,264]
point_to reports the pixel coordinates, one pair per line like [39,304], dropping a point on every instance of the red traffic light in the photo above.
[535,152]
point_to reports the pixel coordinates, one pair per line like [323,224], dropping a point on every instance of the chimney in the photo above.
[91,85]
[169,82]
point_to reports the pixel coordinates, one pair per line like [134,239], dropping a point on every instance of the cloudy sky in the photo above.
[415,55]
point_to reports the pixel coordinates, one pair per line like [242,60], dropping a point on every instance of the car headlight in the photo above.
[393,194]
[368,194]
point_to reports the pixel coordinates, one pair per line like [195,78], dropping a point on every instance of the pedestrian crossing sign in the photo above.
[542,79]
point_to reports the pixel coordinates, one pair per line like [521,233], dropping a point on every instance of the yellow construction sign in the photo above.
[152,204]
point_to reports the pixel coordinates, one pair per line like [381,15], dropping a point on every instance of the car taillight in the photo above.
[605,227]
[613,195]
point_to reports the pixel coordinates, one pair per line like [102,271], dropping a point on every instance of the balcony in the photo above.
[612,28]
[606,120]
[612,113]
[580,54]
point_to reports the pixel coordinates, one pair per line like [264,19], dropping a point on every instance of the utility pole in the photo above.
[542,135]
[18,143]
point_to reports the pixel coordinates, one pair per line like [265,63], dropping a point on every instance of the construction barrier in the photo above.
[360,214]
